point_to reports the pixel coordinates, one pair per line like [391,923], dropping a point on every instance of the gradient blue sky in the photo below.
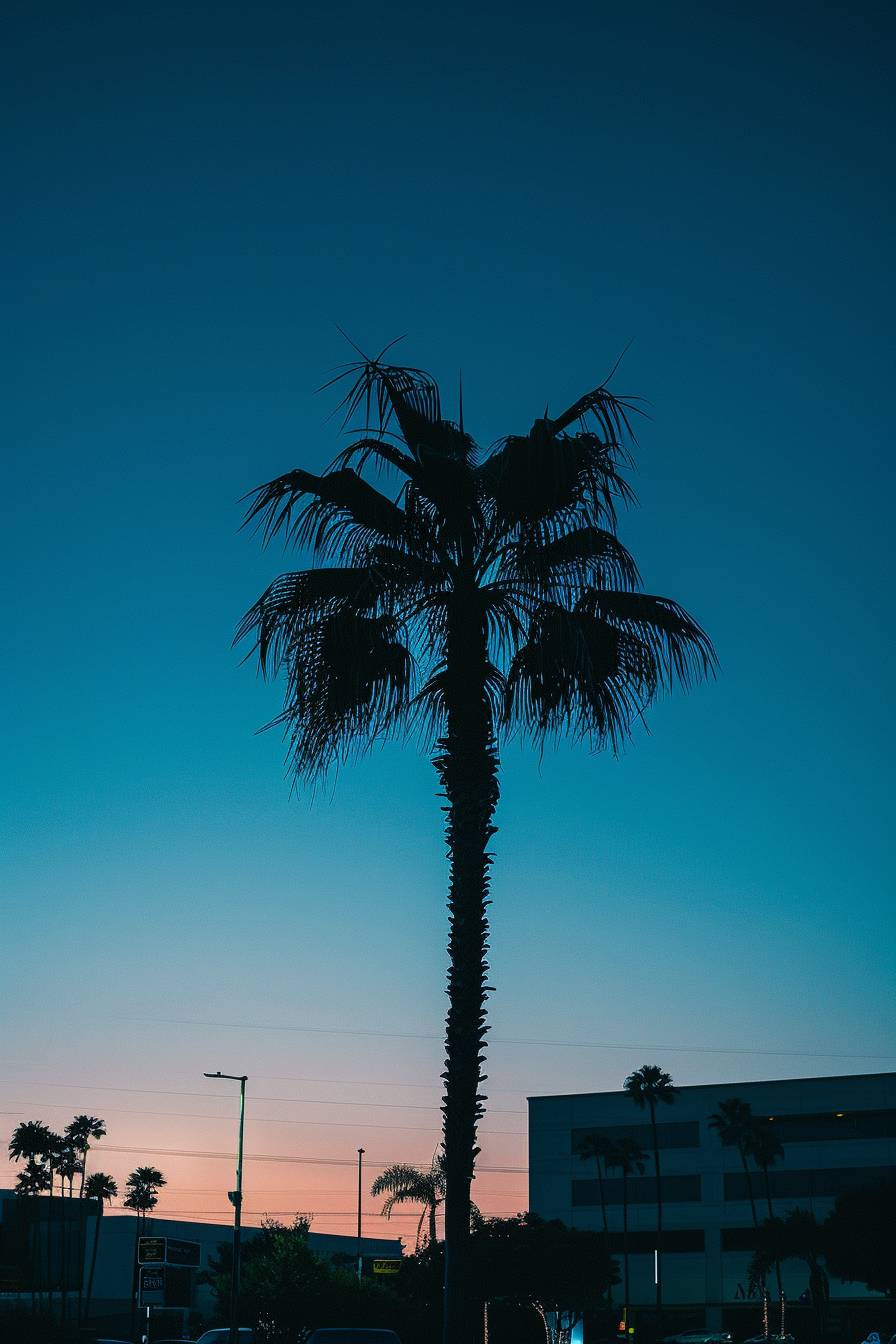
[200,193]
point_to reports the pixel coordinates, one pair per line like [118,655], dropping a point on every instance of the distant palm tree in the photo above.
[599,1148]
[765,1148]
[629,1157]
[103,1189]
[143,1184]
[79,1133]
[34,1142]
[734,1123]
[34,1179]
[647,1086]
[404,1184]
[486,593]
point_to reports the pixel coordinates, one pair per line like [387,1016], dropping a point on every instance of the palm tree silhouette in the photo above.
[79,1133]
[36,1144]
[735,1123]
[486,592]
[143,1184]
[765,1148]
[629,1157]
[103,1189]
[404,1184]
[599,1148]
[647,1086]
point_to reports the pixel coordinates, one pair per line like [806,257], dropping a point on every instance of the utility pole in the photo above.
[360,1255]
[236,1199]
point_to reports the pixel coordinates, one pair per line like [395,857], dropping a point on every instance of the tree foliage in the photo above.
[860,1237]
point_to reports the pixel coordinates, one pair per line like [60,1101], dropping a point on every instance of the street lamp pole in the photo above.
[236,1199]
[360,1254]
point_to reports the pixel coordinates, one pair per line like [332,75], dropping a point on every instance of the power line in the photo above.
[511,1040]
[259,1119]
[295,1101]
[275,1157]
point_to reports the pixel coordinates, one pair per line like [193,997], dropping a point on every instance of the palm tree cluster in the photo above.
[755,1140]
[481,593]
[49,1158]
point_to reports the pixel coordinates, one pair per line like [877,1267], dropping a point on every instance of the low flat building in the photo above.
[837,1133]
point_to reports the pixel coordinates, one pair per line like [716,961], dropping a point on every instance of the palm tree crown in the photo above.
[101,1186]
[403,1184]
[520,542]
[648,1085]
[143,1186]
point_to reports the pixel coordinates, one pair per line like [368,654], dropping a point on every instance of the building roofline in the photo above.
[698,1087]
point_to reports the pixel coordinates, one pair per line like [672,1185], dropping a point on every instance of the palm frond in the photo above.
[343,510]
[671,639]
[572,675]
[349,681]
[578,558]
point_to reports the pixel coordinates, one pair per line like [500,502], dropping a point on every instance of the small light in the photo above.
[771,1117]
[838,1115]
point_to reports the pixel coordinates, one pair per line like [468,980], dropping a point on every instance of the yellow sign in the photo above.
[386,1266]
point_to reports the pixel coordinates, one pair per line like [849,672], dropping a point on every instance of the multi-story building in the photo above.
[837,1134]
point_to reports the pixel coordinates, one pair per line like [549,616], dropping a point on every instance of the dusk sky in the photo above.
[197,195]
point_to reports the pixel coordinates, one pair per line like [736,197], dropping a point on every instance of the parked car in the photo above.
[222,1336]
[700,1337]
[770,1339]
[353,1336]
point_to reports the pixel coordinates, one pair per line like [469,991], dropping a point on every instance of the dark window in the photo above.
[805,1184]
[641,1190]
[644,1243]
[672,1134]
[828,1125]
[738,1238]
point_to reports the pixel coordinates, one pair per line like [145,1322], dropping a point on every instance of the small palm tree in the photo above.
[35,1143]
[143,1184]
[734,1123]
[103,1189]
[599,1148]
[404,1184]
[485,592]
[79,1133]
[629,1157]
[648,1086]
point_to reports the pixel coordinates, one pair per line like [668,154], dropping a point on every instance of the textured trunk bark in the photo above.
[467,764]
[96,1242]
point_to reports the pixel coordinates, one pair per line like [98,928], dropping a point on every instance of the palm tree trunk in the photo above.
[747,1173]
[768,1200]
[659,1222]
[96,1242]
[467,764]
[432,1224]
[603,1209]
[625,1245]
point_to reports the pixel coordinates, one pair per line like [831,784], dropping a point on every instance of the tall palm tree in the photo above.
[734,1123]
[79,1133]
[599,1148]
[765,1148]
[33,1179]
[648,1086]
[35,1143]
[629,1157]
[103,1189]
[482,593]
[404,1184]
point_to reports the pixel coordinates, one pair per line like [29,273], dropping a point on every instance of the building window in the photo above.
[672,1134]
[677,1241]
[824,1183]
[641,1190]
[829,1125]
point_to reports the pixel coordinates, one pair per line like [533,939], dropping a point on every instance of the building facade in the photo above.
[837,1134]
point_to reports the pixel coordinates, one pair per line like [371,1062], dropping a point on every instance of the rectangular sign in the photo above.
[150,1250]
[386,1266]
[167,1251]
[152,1286]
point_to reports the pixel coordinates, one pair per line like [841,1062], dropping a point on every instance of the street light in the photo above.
[360,1249]
[236,1199]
